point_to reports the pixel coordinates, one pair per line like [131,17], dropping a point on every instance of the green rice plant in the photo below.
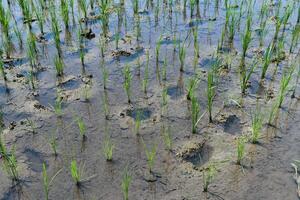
[64,10]
[273,112]
[157,49]
[108,148]
[241,142]
[82,127]
[59,65]
[167,137]
[106,105]
[182,55]
[26,11]
[32,79]
[31,50]
[83,8]
[2,72]
[285,18]
[105,75]
[284,83]
[53,145]
[151,155]
[210,92]
[246,75]
[58,106]
[208,176]
[164,69]
[105,6]
[138,122]
[9,161]
[146,74]
[47,181]
[126,181]
[195,108]
[127,82]
[81,45]
[55,29]
[135,6]
[19,36]
[256,126]
[246,38]
[192,85]
[164,96]
[77,172]
[295,37]
[40,16]
[232,26]
[267,60]
[5,17]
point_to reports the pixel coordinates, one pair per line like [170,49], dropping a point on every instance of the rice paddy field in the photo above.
[149,99]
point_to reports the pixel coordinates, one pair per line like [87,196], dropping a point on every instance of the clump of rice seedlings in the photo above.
[59,66]
[263,22]
[146,74]
[64,9]
[182,55]
[83,8]
[208,176]
[246,38]
[25,7]
[126,180]
[285,18]
[195,108]
[245,76]
[295,37]
[58,106]
[127,82]
[108,148]
[273,112]
[31,50]
[135,6]
[231,26]
[284,83]
[210,93]
[167,137]
[157,49]
[196,46]
[267,60]
[47,181]
[2,72]
[241,143]
[82,127]
[164,96]
[77,172]
[256,126]
[9,161]
[105,6]
[55,29]
[40,16]
[151,155]
[192,85]
[164,69]
[19,36]
[53,145]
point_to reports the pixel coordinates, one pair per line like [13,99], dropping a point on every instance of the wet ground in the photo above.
[30,121]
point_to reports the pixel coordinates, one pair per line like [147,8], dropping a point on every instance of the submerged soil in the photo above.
[30,122]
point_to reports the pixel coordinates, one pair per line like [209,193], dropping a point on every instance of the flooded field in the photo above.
[149,99]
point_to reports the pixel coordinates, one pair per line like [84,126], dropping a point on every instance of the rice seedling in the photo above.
[208,176]
[64,9]
[246,38]
[19,36]
[127,82]
[284,83]
[151,155]
[164,69]
[105,75]
[126,181]
[58,106]
[39,13]
[53,145]
[108,148]
[135,7]
[295,37]
[241,142]
[82,5]
[146,74]
[231,26]
[47,181]
[9,161]
[192,85]
[82,127]
[210,93]
[105,6]
[273,112]
[256,126]
[182,55]
[106,105]
[59,66]
[285,18]
[5,18]
[77,172]
[26,11]
[195,108]
[267,58]
[167,137]
[31,50]
[246,75]
[157,49]
[81,46]
[31,79]
[55,29]
[164,96]
[2,72]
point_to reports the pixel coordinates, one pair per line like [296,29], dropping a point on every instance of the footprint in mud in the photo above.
[199,156]
[142,113]
[175,92]
[34,159]
[232,125]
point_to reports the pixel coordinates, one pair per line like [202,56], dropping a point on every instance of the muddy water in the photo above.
[177,174]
